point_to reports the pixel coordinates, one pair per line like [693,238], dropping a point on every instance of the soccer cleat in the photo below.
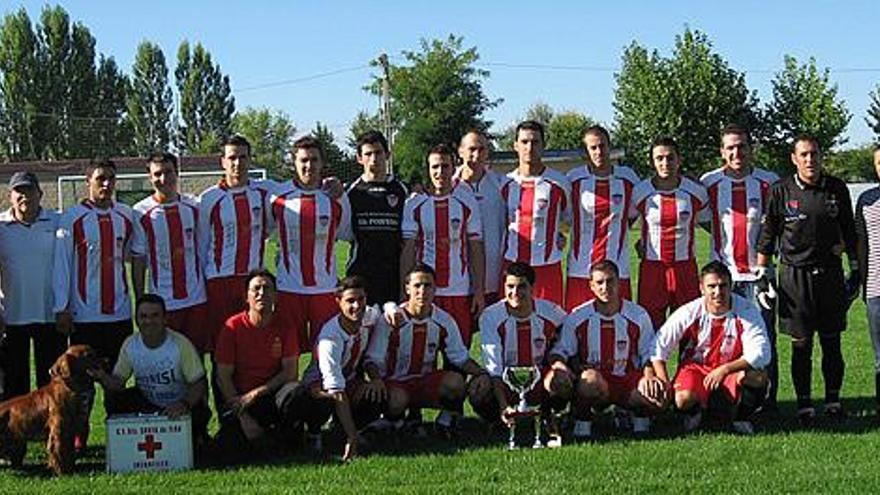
[692,421]
[641,425]
[446,424]
[743,427]
[314,441]
[622,419]
[583,430]
[834,410]
[806,415]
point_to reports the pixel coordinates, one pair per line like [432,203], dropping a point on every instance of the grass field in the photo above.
[782,457]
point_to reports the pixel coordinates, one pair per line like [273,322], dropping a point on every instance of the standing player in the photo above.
[376,200]
[167,241]
[334,381]
[668,205]
[601,194]
[474,171]
[27,248]
[309,222]
[608,342]
[536,199]
[723,351]
[868,213]
[809,216]
[518,331]
[406,355]
[234,222]
[442,229]
[738,193]
[90,279]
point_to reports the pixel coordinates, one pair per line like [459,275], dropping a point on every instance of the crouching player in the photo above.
[406,354]
[724,349]
[608,343]
[334,381]
[518,331]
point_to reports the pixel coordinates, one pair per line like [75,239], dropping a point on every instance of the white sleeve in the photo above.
[474,225]
[667,337]
[566,345]
[330,364]
[345,232]
[408,226]
[491,347]
[756,345]
[377,350]
[138,236]
[204,231]
[456,352]
[61,269]
[646,339]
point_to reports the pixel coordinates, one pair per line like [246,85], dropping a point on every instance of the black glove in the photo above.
[766,285]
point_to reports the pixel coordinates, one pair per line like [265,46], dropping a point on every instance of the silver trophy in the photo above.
[522,379]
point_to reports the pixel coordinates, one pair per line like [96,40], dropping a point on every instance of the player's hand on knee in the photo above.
[714,378]
[375,391]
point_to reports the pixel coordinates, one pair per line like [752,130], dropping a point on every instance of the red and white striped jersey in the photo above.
[536,207]
[233,226]
[167,235]
[411,350]
[668,219]
[441,227]
[616,344]
[711,340]
[337,355]
[734,212]
[493,217]
[309,222]
[600,219]
[89,276]
[509,341]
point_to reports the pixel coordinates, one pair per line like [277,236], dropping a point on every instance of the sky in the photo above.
[310,59]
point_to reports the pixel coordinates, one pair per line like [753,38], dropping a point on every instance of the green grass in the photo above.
[780,458]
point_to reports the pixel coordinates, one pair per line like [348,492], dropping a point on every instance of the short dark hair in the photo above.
[149,299]
[307,143]
[809,138]
[162,157]
[474,130]
[665,141]
[597,130]
[529,125]
[521,270]
[235,140]
[442,150]
[371,137]
[605,266]
[736,129]
[419,268]
[349,283]
[96,163]
[260,273]
[715,267]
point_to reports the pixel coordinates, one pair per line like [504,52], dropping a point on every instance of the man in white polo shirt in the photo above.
[27,244]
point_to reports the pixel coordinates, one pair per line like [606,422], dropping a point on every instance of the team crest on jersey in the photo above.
[119,242]
[621,345]
[617,198]
[560,241]
[456,223]
[754,203]
[792,206]
[189,232]
[432,347]
[539,344]
[324,220]
[831,206]
[542,203]
[392,200]
[684,214]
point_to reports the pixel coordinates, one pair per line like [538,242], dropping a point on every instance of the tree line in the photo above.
[61,99]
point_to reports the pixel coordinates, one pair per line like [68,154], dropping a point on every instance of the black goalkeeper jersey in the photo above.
[376,214]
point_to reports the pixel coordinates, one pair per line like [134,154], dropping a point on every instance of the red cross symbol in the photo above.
[150,446]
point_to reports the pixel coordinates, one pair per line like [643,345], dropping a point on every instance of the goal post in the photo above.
[132,187]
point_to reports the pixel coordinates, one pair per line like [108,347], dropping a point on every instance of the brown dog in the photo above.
[50,412]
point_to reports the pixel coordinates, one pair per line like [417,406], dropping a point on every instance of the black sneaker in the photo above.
[834,410]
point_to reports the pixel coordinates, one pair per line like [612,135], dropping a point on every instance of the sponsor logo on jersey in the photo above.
[392,200]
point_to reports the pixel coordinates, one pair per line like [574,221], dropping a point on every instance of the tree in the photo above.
[362,123]
[149,100]
[690,96]
[338,163]
[804,102]
[873,118]
[206,102]
[270,134]
[19,96]
[539,112]
[114,136]
[436,98]
[852,165]
[565,130]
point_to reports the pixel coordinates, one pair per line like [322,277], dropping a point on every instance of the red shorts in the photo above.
[577,291]
[665,286]
[459,307]
[423,391]
[305,313]
[620,388]
[226,296]
[190,321]
[690,377]
[548,282]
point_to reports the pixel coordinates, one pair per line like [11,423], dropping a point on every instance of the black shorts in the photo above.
[812,299]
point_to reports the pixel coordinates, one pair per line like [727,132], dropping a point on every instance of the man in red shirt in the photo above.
[256,370]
